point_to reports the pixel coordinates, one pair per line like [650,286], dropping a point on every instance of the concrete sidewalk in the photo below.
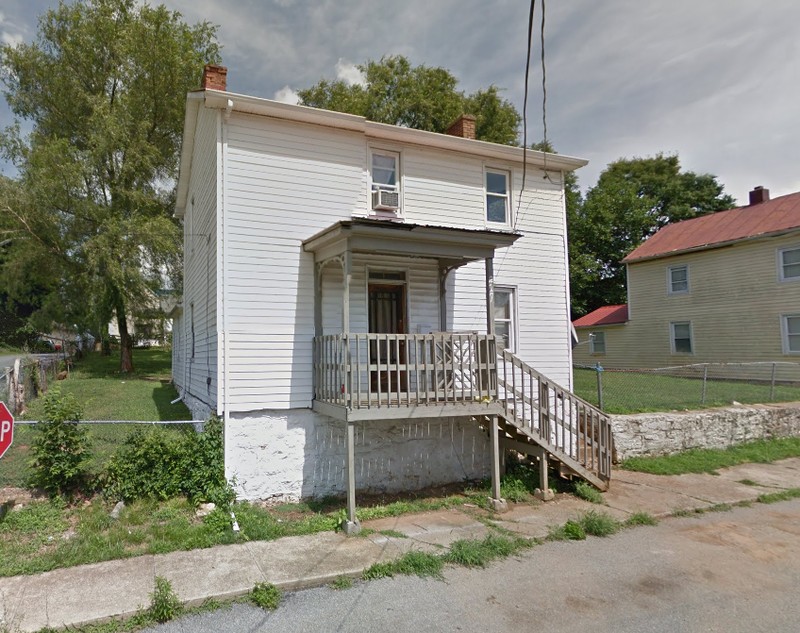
[92,593]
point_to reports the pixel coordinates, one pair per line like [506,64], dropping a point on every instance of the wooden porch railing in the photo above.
[561,420]
[398,370]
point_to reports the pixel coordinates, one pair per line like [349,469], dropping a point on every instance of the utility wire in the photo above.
[525,105]
[544,95]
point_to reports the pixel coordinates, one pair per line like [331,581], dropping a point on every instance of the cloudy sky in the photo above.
[715,81]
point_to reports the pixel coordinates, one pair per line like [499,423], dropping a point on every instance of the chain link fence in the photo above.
[687,386]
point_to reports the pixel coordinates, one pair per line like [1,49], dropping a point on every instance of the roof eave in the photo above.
[304,114]
[193,102]
[708,247]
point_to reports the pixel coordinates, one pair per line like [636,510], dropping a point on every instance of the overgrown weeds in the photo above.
[266,596]
[164,602]
[587,492]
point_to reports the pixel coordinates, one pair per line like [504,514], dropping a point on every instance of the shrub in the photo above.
[164,602]
[60,447]
[157,464]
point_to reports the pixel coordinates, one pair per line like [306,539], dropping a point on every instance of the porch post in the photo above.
[351,525]
[317,298]
[444,271]
[543,492]
[490,295]
[497,503]
[347,276]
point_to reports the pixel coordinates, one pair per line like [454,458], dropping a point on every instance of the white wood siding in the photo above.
[285,181]
[200,270]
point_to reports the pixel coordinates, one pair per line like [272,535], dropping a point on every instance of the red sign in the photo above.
[6,428]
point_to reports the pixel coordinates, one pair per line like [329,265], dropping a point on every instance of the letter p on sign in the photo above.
[6,428]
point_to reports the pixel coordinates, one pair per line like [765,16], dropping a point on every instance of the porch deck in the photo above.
[385,376]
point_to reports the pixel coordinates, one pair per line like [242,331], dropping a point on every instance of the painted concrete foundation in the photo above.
[664,433]
[296,453]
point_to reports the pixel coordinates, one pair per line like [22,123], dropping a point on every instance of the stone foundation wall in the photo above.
[664,433]
[296,453]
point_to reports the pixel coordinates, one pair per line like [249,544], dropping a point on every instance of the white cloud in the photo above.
[12,39]
[287,95]
[349,73]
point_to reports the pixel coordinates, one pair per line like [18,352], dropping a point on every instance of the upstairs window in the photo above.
[789,263]
[497,197]
[597,342]
[385,185]
[681,332]
[678,280]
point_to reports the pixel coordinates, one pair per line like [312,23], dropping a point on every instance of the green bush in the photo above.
[155,464]
[60,447]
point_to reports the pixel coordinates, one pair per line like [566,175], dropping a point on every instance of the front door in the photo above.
[387,315]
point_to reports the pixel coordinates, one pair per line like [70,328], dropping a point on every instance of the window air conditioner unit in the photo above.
[385,200]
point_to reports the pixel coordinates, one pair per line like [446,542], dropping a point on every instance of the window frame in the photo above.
[593,341]
[374,186]
[673,338]
[506,173]
[671,282]
[785,344]
[781,265]
[512,315]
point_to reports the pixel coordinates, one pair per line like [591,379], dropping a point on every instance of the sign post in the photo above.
[6,428]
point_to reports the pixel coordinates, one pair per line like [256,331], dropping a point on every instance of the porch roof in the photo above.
[451,246]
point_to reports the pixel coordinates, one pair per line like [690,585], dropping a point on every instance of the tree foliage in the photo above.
[420,97]
[632,199]
[103,87]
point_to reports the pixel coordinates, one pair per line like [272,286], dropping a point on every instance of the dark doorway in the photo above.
[387,315]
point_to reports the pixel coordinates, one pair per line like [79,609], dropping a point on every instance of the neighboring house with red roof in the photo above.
[723,287]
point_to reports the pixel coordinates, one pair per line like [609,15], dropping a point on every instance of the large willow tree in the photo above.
[99,102]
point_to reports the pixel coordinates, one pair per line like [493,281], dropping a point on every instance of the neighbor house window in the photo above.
[497,197]
[597,342]
[677,279]
[504,308]
[789,263]
[790,327]
[681,337]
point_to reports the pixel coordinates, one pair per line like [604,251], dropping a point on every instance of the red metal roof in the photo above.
[779,215]
[607,315]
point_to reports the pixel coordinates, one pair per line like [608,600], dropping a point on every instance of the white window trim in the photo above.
[785,333]
[513,315]
[592,337]
[396,154]
[672,325]
[670,291]
[507,173]
[779,258]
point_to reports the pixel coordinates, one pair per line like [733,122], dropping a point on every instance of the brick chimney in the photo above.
[464,127]
[214,78]
[759,195]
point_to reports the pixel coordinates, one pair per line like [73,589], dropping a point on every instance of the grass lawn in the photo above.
[711,460]
[104,394]
[628,392]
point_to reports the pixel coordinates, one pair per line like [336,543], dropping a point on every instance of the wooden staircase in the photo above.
[538,413]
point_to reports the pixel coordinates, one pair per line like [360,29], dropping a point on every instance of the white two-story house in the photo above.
[364,304]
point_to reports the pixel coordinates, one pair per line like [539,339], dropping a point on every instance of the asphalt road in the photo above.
[726,572]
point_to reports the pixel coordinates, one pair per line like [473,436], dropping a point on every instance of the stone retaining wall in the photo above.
[664,433]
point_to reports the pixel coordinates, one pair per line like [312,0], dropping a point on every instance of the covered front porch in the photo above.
[374,358]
